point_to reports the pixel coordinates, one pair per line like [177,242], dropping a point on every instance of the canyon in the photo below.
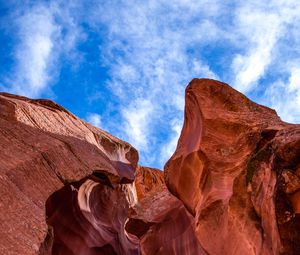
[231,187]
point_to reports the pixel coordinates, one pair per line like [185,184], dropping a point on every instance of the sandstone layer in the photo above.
[231,187]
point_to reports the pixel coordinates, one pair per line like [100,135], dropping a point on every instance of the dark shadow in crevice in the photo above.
[84,218]
[68,229]
[266,136]
[101,177]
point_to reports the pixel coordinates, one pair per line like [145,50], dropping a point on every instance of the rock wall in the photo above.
[232,166]
[52,162]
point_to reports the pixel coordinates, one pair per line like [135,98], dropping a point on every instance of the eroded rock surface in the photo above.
[147,179]
[231,187]
[47,152]
[160,220]
[236,169]
[88,217]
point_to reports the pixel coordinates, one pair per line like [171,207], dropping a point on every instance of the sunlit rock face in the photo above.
[146,180]
[236,169]
[231,187]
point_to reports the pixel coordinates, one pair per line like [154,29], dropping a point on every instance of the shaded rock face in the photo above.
[231,187]
[88,217]
[159,219]
[236,169]
[50,158]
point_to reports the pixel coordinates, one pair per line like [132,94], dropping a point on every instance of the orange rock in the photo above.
[146,179]
[227,167]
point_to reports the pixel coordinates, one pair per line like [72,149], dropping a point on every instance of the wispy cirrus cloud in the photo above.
[94,119]
[148,51]
[269,34]
[169,147]
[34,54]
[44,32]
[284,96]
[261,29]
[137,121]
[153,49]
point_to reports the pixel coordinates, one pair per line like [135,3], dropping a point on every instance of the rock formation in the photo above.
[236,169]
[160,220]
[231,187]
[54,163]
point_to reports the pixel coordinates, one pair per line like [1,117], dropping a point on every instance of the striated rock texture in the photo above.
[146,180]
[236,168]
[67,188]
[231,187]
[50,158]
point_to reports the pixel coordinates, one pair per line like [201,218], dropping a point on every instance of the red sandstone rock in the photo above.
[46,149]
[236,169]
[160,220]
[69,188]
[147,179]
[88,217]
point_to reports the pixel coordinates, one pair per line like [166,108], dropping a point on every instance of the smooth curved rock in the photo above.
[88,217]
[228,171]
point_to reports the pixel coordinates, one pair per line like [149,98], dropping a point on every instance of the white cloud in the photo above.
[44,33]
[34,54]
[285,96]
[169,148]
[94,119]
[152,49]
[262,30]
[294,82]
[147,53]
[259,31]
[204,69]
[137,120]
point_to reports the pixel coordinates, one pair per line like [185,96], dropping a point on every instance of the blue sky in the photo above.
[123,65]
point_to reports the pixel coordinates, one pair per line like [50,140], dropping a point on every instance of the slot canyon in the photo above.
[231,187]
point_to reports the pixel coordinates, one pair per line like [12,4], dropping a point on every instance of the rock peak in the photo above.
[224,168]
